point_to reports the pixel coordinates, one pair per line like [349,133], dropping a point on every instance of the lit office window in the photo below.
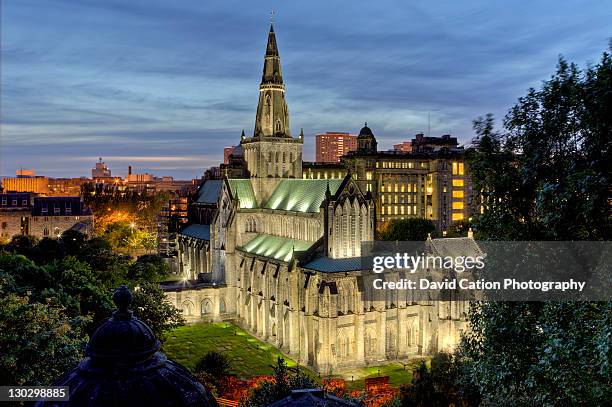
[458,168]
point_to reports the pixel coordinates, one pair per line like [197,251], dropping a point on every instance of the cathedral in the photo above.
[279,255]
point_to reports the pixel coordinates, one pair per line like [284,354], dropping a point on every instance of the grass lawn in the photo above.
[398,374]
[249,356]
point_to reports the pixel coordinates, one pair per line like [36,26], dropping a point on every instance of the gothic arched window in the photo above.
[251,225]
[370,342]
[187,308]
[206,307]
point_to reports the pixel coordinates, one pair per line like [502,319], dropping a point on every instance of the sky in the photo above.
[164,85]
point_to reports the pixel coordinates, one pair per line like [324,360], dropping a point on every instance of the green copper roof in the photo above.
[301,195]
[275,247]
[242,189]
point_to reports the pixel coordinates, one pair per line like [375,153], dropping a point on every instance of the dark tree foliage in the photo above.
[280,387]
[214,364]
[412,229]
[545,177]
[148,267]
[150,305]
[38,341]
[55,292]
[438,386]
[459,228]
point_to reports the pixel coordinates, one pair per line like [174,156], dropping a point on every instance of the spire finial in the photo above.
[272,15]
[366,124]
[122,299]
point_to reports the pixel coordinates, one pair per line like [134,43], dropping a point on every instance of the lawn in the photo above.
[249,356]
[398,374]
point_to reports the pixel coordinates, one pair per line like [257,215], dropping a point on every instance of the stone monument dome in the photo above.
[124,367]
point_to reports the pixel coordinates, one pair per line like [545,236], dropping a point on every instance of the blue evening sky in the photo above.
[164,85]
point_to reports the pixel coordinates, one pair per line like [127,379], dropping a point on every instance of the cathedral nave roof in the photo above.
[201,232]
[243,191]
[209,191]
[301,195]
[329,265]
[275,247]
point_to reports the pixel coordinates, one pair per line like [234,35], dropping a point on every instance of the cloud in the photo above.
[153,79]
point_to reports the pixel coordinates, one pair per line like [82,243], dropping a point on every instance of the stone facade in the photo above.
[24,214]
[281,257]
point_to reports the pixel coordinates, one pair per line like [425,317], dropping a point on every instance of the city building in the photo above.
[330,146]
[15,210]
[22,172]
[315,170]
[404,147]
[26,181]
[428,182]
[420,143]
[235,166]
[42,216]
[227,151]
[100,170]
[66,186]
[279,254]
[170,219]
[143,178]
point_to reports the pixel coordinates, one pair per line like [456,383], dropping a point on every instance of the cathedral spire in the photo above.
[272,113]
[272,49]
[272,153]
[272,66]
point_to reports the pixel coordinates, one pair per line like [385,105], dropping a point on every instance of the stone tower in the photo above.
[366,142]
[272,154]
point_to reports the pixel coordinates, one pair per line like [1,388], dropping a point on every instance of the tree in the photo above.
[48,306]
[37,341]
[411,229]
[214,364]
[22,244]
[149,267]
[459,228]
[73,242]
[280,387]
[421,391]
[546,177]
[118,234]
[438,385]
[150,305]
